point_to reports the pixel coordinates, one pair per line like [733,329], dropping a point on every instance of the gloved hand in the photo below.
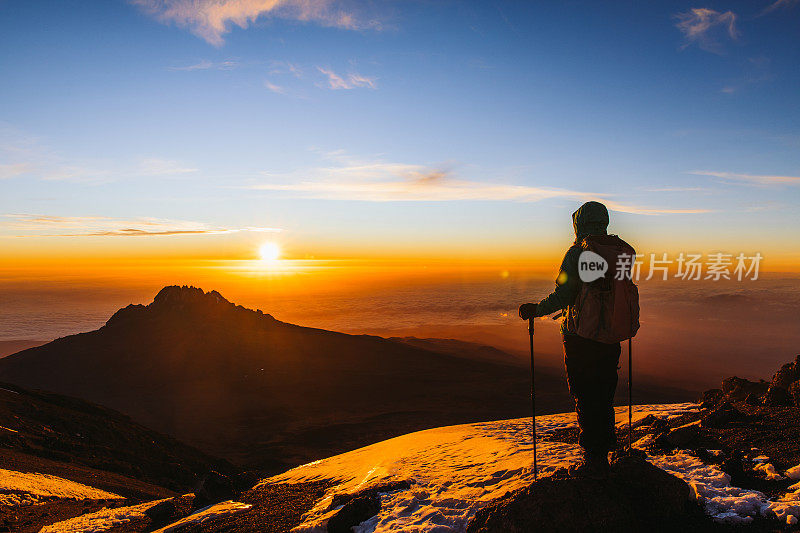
[527,311]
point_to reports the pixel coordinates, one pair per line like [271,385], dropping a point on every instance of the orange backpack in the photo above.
[607,309]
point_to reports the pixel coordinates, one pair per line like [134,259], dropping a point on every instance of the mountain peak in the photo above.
[186,294]
[174,298]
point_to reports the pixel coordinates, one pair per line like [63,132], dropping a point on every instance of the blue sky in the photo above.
[380,128]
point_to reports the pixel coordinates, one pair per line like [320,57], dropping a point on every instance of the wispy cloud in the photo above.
[779,4]
[753,179]
[31,225]
[381,181]
[643,210]
[293,79]
[347,81]
[277,89]
[677,189]
[209,65]
[706,28]
[13,170]
[23,155]
[212,19]
[286,67]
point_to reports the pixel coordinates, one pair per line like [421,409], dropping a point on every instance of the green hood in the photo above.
[590,219]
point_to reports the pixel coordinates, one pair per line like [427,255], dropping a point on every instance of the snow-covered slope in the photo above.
[102,520]
[25,488]
[455,470]
[109,519]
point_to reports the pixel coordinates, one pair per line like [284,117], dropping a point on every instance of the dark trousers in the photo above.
[592,378]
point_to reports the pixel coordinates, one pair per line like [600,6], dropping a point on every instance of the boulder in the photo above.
[679,437]
[354,512]
[778,392]
[794,393]
[777,396]
[737,389]
[753,399]
[647,421]
[637,496]
[788,374]
[721,416]
[214,488]
[710,398]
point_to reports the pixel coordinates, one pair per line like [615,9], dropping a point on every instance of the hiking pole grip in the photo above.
[533,401]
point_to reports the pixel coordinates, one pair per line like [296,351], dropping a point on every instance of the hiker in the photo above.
[591,338]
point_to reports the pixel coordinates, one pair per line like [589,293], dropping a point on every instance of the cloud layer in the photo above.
[25,157]
[212,19]
[30,225]
[381,181]
[754,179]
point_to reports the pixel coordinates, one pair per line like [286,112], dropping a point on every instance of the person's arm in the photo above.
[567,285]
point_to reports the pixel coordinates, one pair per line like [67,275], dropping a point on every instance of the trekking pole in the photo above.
[630,398]
[533,402]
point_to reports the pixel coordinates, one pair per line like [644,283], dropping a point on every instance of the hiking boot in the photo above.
[593,467]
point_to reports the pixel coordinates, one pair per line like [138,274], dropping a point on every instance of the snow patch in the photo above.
[644,442]
[712,488]
[102,520]
[206,514]
[793,473]
[456,470]
[26,488]
[787,507]
[769,471]
[723,502]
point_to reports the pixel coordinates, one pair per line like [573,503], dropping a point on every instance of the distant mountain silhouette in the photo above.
[469,350]
[9,347]
[242,385]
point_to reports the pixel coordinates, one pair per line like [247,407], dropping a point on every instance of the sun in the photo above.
[269,251]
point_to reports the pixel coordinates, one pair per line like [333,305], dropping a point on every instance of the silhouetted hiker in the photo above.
[599,313]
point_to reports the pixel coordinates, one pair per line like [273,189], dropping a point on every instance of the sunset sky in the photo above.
[401,130]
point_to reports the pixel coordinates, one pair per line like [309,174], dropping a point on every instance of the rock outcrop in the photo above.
[778,392]
[783,389]
[636,497]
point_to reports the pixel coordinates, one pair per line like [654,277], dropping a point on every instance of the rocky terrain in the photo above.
[728,463]
[61,457]
[740,449]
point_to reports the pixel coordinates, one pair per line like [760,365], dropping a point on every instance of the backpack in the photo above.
[607,309]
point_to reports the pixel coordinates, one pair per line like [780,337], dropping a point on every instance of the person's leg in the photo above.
[579,380]
[608,364]
[592,378]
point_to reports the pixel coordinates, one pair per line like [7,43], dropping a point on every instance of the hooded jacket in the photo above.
[590,219]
